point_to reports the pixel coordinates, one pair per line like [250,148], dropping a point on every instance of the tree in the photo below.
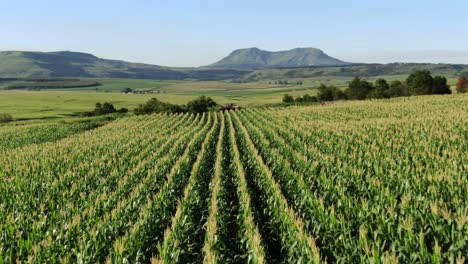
[420,82]
[380,89]
[105,108]
[462,84]
[396,89]
[330,93]
[325,93]
[102,109]
[440,86]
[108,108]
[338,94]
[127,90]
[98,107]
[156,106]
[288,99]
[358,89]
[201,104]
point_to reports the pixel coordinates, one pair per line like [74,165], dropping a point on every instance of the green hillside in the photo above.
[362,70]
[240,65]
[20,64]
[254,58]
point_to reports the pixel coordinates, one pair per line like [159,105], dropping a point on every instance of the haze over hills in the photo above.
[254,58]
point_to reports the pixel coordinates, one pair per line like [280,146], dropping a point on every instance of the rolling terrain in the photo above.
[66,88]
[21,64]
[244,65]
[349,71]
[233,132]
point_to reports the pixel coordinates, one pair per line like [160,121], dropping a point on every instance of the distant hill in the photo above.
[362,70]
[246,65]
[20,64]
[254,58]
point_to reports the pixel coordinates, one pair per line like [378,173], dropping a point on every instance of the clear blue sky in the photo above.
[199,32]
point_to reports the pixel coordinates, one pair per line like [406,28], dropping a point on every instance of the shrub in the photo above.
[308,98]
[104,109]
[298,99]
[123,110]
[5,118]
[288,99]
[201,104]
[304,99]
[156,106]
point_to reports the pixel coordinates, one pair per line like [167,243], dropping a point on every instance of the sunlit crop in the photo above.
[355,182]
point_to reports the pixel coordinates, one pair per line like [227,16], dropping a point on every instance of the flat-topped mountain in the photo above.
[254,58]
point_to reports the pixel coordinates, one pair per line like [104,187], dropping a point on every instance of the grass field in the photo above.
[107,84]
[60,103]
[52,103]
[380,181]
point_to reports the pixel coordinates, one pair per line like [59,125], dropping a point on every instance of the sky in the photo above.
[200,32]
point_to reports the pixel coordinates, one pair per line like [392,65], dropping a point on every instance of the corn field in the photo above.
[355,182]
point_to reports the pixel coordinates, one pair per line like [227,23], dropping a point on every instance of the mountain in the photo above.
[246,65]
[254,58]
[17,64]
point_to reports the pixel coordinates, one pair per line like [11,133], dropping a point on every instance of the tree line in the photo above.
[418,83]
[104,109]
[198,105]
